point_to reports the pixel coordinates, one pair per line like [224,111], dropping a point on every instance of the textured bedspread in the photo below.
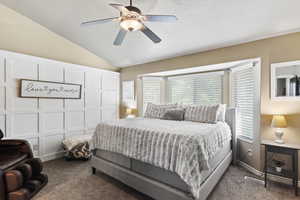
[182,147]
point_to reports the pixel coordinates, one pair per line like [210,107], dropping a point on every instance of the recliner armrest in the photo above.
[2,186]
[18,145]
[10,142]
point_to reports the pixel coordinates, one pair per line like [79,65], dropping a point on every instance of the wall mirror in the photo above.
[285,81]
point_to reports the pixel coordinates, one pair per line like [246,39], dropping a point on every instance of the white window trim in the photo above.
[257,70]
[163,90]
[200,74]
[274,83]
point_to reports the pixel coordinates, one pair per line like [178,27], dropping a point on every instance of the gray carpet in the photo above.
[74,181]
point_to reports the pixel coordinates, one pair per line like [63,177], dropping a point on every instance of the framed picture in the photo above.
[128,91]
[48,89]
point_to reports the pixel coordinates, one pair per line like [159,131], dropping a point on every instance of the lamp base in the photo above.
[279,133]
[279,141]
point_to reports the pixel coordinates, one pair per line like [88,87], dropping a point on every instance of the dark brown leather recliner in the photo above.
[20,173]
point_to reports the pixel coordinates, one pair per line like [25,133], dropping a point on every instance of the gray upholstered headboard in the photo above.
[232,120]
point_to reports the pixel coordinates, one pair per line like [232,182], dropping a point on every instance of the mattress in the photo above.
[160,174]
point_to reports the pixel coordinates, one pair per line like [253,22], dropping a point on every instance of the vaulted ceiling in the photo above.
[202,25]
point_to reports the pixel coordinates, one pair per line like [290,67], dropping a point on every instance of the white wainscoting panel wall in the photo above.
[46,122]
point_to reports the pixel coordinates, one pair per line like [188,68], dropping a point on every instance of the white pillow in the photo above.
[202,113]
[222,113]
[157,111]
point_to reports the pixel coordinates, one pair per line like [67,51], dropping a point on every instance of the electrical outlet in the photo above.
[249,152]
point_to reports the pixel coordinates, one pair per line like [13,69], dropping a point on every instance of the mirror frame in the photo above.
[274,66]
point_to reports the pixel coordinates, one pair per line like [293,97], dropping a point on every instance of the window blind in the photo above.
[151,90]
[196,88]
[243,97]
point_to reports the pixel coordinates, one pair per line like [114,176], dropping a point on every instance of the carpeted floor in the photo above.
[74,181]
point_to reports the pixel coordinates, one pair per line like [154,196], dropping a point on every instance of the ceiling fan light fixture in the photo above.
[131,25]
[131,19]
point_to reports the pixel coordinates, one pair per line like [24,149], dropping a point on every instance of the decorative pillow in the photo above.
[202,113]
[80,151]
[157,111]
[222,113]
[174,114]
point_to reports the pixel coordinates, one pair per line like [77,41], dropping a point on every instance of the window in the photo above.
[244,97]
[206,88]
[151,90]
[241,89]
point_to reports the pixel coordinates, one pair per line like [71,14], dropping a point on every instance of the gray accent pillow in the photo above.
[174,114]
[157,111]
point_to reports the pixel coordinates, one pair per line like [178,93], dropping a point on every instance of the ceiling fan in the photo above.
[132,19]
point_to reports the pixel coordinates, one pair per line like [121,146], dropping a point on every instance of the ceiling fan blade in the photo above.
[119,7]
[160,18]
[99,21]
[152,36]
[120,37]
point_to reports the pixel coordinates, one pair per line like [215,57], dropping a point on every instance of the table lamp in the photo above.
[279,122]
[130,112]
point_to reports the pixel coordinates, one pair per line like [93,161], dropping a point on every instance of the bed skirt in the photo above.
[156,189]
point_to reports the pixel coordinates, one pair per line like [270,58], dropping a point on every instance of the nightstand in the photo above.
[287,149]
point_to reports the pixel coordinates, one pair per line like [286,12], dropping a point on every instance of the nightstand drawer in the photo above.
[282,150]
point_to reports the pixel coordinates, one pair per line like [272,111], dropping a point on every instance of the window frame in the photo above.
[227,92]
[257,98]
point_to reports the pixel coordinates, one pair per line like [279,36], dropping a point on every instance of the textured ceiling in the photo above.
[202,25]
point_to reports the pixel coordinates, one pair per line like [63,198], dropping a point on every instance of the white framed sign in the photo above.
[48,89]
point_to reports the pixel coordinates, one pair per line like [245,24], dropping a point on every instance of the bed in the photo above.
[185,163]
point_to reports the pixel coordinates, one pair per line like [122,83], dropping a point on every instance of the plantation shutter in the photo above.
[196,89]
[151,90]
[243,98]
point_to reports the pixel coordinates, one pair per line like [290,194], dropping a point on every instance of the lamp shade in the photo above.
[279,121]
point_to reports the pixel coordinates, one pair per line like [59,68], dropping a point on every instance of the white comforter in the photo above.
[182,147]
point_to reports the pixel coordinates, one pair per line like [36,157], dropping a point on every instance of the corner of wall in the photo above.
[22,35]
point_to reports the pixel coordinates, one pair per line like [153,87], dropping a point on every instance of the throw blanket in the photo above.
[182,147]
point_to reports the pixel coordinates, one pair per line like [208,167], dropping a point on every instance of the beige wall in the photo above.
[277,49]
[20,34]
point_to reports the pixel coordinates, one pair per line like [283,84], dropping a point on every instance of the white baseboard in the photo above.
[262,175]
[251,169]
[52,156]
